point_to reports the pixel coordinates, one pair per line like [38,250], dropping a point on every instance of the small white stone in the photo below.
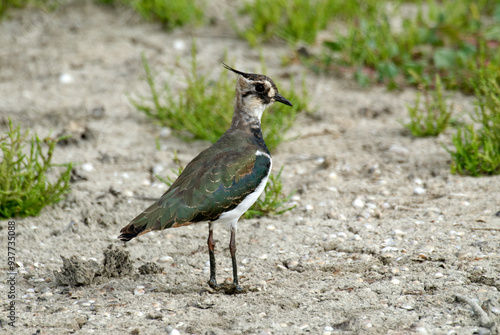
[438,275]
[399,150]
[128,193]
[421,330]
[358,203]
[395,281]
[263,256]
[179,45]
[419,190]
[66,78]
[418,181]
[165,259]
[342,235]
[165,132]
[309,208]
[327,330]
[246,261]
[139,290]
[88,167]
[271,227]
[332,176]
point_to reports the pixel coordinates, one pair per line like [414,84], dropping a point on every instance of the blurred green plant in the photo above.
[294,20]
[434,117]
[171,13]
[6,5]
[25,187]
[205,107]
[442,38]
[477,147]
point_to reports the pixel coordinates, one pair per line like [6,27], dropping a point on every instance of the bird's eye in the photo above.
[259,88]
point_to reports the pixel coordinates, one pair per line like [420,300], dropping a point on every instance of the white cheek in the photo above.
[271,92]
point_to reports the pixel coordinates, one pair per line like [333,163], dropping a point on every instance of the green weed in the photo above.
[205,107]
[25,187]
[6,5]
[442,38]
[477,148]
[294,20]
[435,116]
[171,13]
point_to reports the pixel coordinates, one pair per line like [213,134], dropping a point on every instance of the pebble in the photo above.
[309,208]
[271,227]
[342,235]
[128,193]
[139,290]
[418,191]
[438,275]
[165,259]
[292,264]
[66,78]
[179,45]
[358,203]
[395,281]
[165,132]
[88,167]
[399,150]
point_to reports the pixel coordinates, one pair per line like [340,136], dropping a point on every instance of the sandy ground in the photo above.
[361,252]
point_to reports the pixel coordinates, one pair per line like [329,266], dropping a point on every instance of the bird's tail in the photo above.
[144,223]
[130,231]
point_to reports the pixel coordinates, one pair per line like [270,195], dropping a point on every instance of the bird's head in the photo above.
[255,92]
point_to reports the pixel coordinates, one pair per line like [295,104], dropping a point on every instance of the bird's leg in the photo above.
[211,245]
[232,250]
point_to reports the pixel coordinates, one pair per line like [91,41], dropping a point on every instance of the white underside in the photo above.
[231,218]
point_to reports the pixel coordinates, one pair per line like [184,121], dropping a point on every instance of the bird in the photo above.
[224,180]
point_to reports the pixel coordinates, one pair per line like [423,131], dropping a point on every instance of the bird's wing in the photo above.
[211,184]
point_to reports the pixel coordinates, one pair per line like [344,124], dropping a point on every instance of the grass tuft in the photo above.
[25,187]
[440,38]
[477,147]
[435,116]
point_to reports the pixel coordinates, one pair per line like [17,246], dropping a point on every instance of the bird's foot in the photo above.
[234,289]
[227,288]
[213,284]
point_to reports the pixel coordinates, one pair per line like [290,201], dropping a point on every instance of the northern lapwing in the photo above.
[223,181]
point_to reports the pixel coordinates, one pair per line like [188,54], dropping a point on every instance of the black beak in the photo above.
[278,97]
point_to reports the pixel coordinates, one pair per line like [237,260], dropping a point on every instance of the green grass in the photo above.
[7,5]
[434,117]
[205,108]
[25,187]
[171,13]
[295,21]
[441,38]
[477,146]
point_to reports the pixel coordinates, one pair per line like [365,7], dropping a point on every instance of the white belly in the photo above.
[233,215]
